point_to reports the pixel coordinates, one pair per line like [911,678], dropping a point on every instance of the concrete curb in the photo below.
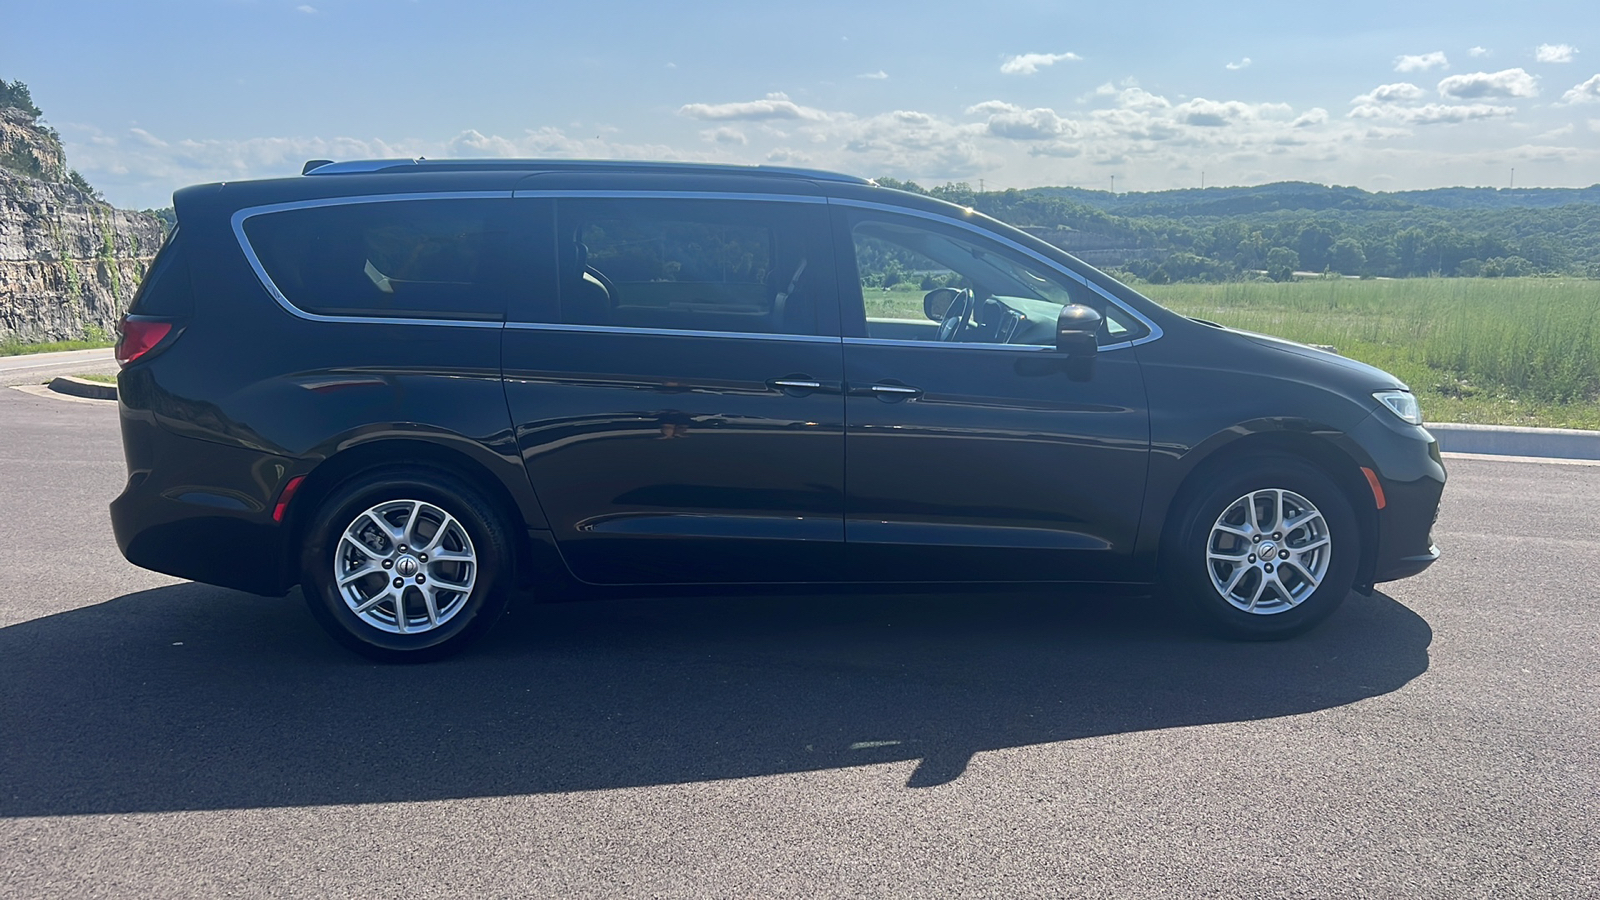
[1506,440]
[79,387]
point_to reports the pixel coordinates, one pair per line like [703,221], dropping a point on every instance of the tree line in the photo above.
[1273,231]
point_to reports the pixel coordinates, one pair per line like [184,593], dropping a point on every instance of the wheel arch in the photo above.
[1327,449]
[347,463]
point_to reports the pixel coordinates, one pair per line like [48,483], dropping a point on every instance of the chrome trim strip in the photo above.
[533,194]
[240,217]
[964,345]
[1155,330]
[672,332]
[536,166]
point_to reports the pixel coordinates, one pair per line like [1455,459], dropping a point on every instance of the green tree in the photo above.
[1281,263]
[1348,257]
[15,94]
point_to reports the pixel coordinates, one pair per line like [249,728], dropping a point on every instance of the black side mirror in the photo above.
[1076,329]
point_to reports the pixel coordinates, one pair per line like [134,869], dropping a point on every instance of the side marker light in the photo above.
[1377,488]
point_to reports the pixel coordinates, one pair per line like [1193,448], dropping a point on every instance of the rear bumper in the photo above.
[182,512]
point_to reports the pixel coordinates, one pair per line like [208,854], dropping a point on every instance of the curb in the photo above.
[79,387]
[1506,440]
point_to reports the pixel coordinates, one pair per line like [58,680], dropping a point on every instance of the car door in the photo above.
[975,450]
[677,396]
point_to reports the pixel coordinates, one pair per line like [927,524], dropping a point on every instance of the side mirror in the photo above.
[1076,329]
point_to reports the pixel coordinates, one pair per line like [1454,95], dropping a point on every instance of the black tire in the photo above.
[1189,574]
[470,613]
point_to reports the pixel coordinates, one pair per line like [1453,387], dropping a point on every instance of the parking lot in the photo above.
[161,738]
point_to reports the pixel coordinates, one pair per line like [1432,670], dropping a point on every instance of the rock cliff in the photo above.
[69,263]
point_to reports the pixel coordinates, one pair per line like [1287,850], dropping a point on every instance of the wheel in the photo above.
[406,564]
[1265,550]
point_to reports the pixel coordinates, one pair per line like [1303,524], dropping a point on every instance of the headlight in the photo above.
[1403,403]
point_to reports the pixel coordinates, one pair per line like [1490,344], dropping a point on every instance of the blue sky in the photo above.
[150,97]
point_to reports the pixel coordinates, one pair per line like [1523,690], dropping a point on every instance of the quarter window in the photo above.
[422,258]
[698,265]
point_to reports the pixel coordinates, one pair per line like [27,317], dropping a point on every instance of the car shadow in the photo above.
[190,697]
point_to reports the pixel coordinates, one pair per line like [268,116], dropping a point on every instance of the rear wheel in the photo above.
[1266,550]
[406,564]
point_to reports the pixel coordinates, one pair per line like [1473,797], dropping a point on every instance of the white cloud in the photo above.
[307,9]
[1421,62]
[1012,122]
[1432,113]
[1241,64]
[773,106]
[1029,63]
[1478,51]
[724,135]
[1313,116]
[874,76]
[1587,92]
[1486,85]
[1554,53]
[1391,93]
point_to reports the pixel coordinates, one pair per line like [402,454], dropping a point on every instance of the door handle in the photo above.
[796,384]
[890,393]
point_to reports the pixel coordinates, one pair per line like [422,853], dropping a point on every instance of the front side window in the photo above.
[696,265]
[924,281]
[414,258]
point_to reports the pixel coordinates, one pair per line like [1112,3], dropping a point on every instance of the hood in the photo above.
[1379,378]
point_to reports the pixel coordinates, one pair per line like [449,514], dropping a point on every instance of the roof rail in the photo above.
[366,166]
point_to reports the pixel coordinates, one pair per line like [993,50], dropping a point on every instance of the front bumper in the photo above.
[1412,476]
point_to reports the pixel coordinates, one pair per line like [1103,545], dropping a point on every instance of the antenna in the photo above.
[1513,177]
[1113,184]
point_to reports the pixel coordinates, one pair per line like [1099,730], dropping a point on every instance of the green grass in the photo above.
[98,376]
[12,348]
[1522,351]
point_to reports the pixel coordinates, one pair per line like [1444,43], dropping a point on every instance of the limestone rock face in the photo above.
[69,263]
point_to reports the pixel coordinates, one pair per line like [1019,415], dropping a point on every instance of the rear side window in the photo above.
[165,290]
[698,265]
[441,259]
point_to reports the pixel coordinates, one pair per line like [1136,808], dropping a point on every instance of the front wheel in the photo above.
[405,565]
[1267,550]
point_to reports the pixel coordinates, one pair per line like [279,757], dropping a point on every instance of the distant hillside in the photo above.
[1275,230]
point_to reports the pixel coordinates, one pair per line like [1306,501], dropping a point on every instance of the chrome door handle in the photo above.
[796,384]
[893,389]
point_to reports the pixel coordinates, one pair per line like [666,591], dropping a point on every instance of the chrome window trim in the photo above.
[964,345]
[673,332]
[1155,330]
[243,215]
[560,194]
[581,166]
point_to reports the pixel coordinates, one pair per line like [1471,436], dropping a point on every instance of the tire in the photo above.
[428,532]
[1216,565]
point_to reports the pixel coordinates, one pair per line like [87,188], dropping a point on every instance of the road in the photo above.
[38,368]
[159,738]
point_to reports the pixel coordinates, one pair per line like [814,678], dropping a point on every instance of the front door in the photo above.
[976,451]
[679,407]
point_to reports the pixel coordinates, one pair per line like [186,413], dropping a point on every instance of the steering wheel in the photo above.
[955,318]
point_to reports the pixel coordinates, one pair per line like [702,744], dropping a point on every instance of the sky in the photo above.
[1129,96]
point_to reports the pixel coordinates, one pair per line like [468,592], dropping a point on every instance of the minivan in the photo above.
[414,387]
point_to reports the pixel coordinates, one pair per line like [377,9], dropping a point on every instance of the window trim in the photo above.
[240,217]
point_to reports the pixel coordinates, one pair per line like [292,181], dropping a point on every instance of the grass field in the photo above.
[1521,351]
[16,349]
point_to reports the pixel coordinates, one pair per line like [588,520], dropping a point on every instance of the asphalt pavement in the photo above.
[160,738]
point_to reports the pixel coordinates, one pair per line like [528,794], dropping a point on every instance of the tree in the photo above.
[1348,257]
[1281,263]
[15,94]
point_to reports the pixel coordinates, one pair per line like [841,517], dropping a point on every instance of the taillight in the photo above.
[136,337]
